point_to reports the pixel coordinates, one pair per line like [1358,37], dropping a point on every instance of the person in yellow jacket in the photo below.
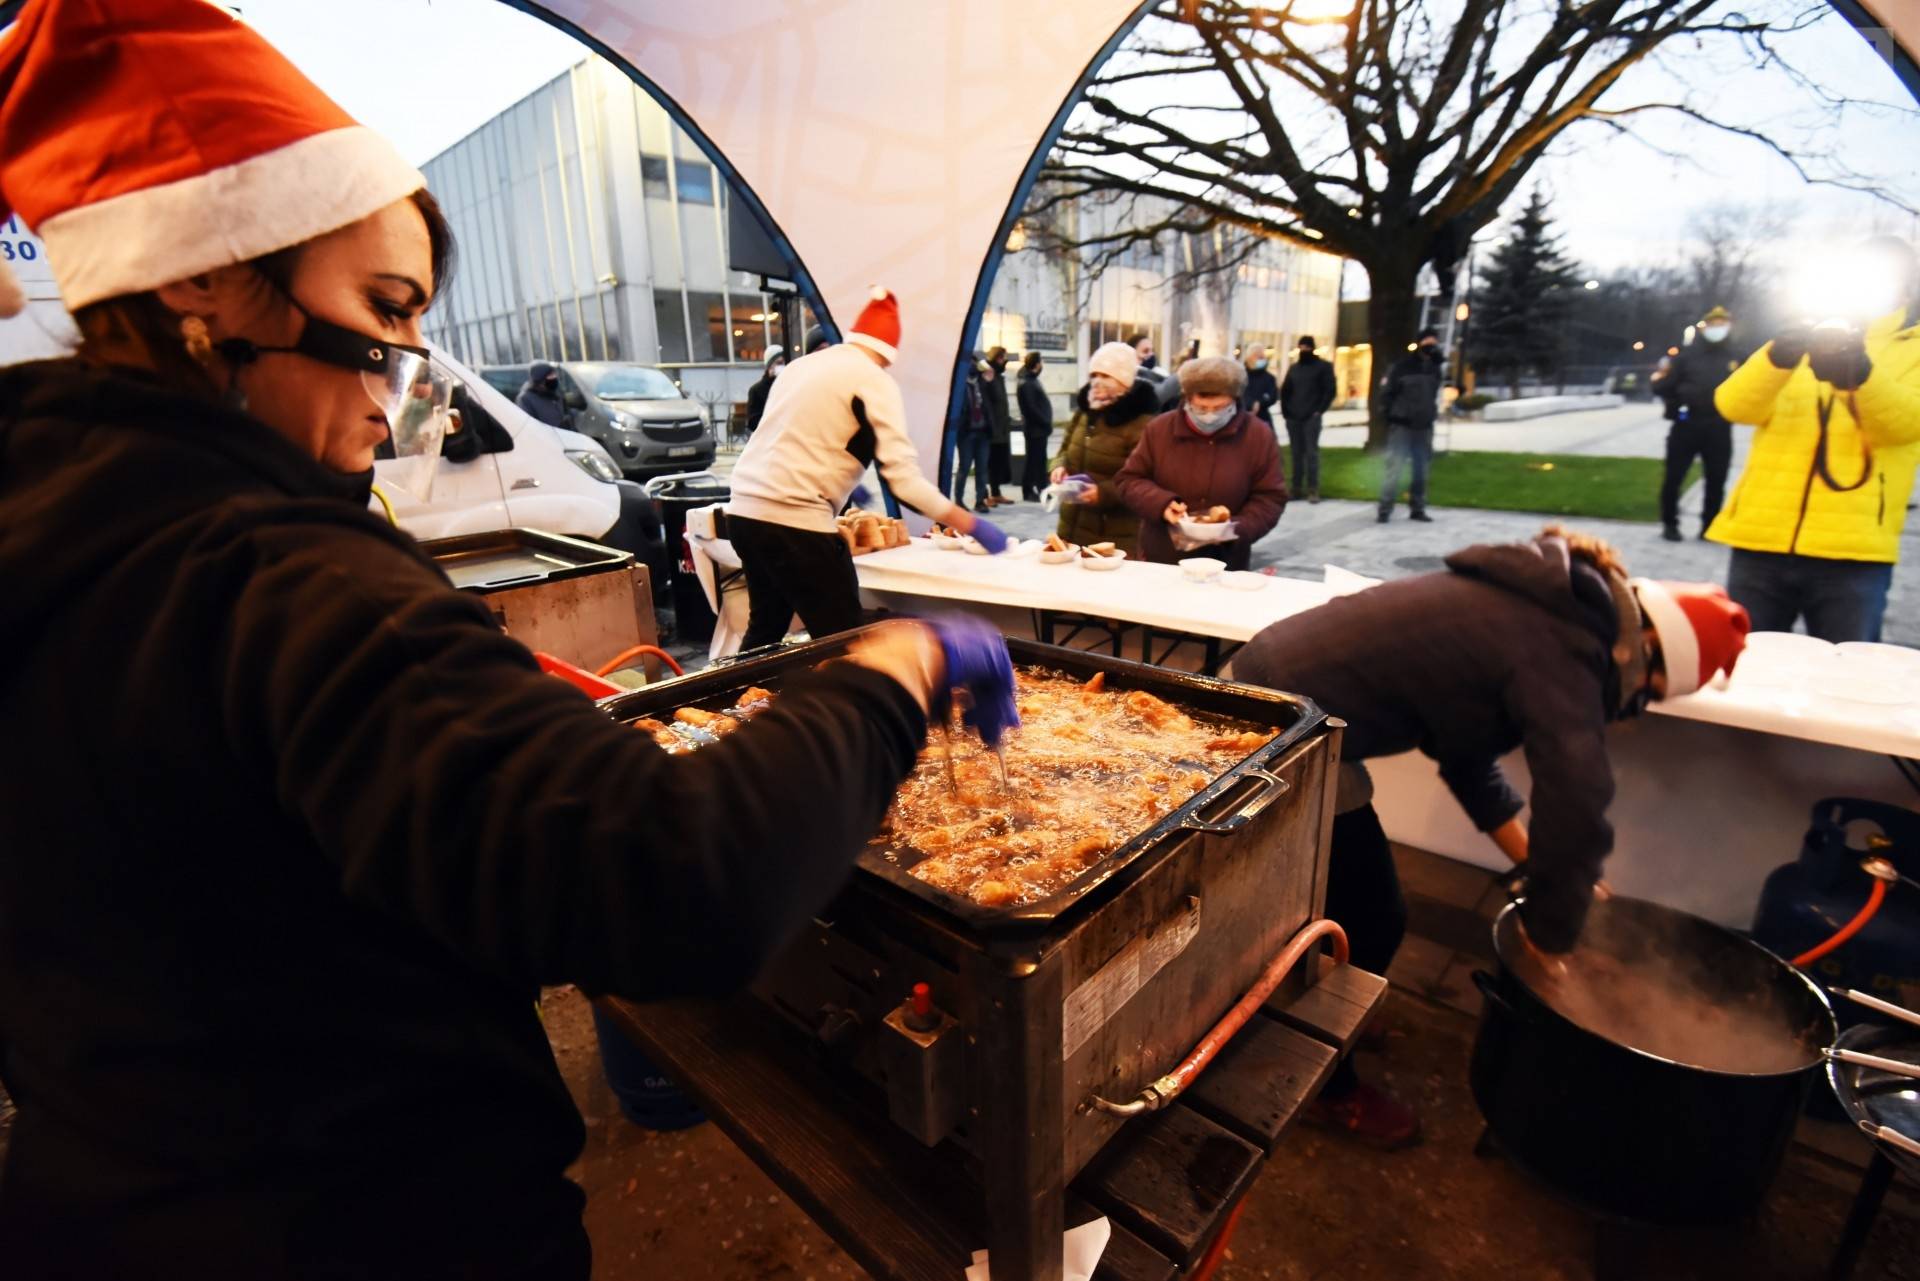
[1815,521]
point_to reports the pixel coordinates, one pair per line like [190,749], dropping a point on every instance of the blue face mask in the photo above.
[1259,364]
[1207,424]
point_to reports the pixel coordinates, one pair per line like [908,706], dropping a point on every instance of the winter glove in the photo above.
[977,662]
[1789,346]
[1839,357]
[988,535]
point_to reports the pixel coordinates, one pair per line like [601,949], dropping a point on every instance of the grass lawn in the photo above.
[1551,484]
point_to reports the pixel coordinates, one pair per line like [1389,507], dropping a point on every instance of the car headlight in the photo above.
[629,421]
[596,465]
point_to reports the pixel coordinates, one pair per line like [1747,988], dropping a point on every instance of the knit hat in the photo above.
[1117,360]
[1701,631]
[1213,376]
[775,352]
[1720,314]
[878,329]
[146,141]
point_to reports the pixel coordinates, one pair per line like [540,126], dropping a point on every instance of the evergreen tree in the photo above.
[1523,299]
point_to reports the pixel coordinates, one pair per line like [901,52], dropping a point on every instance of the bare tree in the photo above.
[1727,263]
[1392,133]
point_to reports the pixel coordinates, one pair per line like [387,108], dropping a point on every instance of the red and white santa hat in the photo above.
[146,141]
[878,329]
[1701,631]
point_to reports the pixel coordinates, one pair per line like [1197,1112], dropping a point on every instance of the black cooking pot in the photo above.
[1626,1132]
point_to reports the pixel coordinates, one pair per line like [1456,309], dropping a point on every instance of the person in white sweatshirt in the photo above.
[829,415]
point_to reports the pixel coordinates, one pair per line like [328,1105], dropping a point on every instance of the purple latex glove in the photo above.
[977,662]
[860,496]
[988,535]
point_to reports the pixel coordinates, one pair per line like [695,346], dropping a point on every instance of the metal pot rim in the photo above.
[1825,1005]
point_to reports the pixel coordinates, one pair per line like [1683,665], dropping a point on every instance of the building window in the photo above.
[1106,331]
[696,181]
[709,327]
[653,177]
[671,323]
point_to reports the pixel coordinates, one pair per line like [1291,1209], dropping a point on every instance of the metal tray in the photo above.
[505,558]
[1231,801]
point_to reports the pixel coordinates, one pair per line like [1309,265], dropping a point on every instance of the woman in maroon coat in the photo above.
[1207,453]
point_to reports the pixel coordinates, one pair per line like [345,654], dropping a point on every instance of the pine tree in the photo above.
[1522,299]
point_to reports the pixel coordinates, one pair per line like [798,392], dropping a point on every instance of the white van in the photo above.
[545,478]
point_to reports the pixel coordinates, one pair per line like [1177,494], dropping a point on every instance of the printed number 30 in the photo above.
[22,251]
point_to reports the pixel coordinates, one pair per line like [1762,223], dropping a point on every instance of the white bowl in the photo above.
[1202,569]
[945,542]
[1050,557]
[1245,580]
[1101,564]
[1201,531]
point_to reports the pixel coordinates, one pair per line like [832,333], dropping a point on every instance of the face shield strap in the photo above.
[329,344]
[1629,692]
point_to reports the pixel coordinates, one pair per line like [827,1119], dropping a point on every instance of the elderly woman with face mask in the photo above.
[300,832]
[1208,453]
[1109,414]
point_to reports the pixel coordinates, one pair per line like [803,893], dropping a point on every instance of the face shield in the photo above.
[413,394]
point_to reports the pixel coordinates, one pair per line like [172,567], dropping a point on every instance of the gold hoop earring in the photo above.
[199,343]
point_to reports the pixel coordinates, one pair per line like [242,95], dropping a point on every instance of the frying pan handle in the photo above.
[1272,789]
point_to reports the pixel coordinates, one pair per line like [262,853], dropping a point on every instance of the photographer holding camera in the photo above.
[1815,521]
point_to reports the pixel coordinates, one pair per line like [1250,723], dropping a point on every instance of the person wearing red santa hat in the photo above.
[1538,646]
[830,415]
[296,832]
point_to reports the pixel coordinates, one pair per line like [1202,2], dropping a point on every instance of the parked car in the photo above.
[527,474]
[639,414]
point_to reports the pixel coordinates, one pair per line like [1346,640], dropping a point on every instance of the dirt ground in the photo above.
[689,1205]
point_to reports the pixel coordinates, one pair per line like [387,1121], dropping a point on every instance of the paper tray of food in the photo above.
[1117,761]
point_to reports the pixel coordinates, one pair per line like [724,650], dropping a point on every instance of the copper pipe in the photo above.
[1168,1088]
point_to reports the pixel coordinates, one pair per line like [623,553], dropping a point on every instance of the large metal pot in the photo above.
[1627,1132]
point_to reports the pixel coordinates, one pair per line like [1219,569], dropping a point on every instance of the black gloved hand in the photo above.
[1789,346]
[1839,357]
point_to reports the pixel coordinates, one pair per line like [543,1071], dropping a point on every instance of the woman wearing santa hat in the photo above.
[1538,646]
[296,832]
[832,413]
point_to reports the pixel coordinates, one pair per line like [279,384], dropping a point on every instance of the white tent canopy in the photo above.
[886,138]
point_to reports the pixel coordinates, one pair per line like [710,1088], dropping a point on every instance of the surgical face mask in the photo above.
[1209,423]
[1259,364]
[1715,333]
[411,390]
[1099,396]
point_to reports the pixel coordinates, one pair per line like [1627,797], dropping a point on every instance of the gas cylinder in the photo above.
[1806,901]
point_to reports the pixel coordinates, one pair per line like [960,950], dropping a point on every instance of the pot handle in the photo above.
[1495,993]
[1273,789]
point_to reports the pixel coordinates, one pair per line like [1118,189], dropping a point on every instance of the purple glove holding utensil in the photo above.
[977,662]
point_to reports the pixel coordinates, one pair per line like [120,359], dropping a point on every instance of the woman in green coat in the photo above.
[1110,412]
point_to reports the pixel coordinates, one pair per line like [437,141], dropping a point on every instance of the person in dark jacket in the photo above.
[1036,427]
[757,394]
[1110,413]
[540,395]
[1412,391]
[993,391]
[1307,394]
[1263,389]
[1698,429]
[1207,453]
[1535,645]
[268,1009]
[973,440]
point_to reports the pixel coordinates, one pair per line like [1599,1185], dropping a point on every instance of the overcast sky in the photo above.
[427,72]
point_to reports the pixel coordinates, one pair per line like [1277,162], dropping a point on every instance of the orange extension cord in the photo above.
[625,656]
[1875,897]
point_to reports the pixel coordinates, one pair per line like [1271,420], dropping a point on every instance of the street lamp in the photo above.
[1639,346]
[1591,284]
[1461,312]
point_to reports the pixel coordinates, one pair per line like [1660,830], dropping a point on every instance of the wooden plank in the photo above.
[1262,1080]
[1127,1257]
[1335,1008]
[1172,1177]
[901,1211]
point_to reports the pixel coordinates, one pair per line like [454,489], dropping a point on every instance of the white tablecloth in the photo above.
[1863,697]
[1152,595]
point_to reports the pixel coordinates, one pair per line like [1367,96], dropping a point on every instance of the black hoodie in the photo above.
[289,836]
[1509,648]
